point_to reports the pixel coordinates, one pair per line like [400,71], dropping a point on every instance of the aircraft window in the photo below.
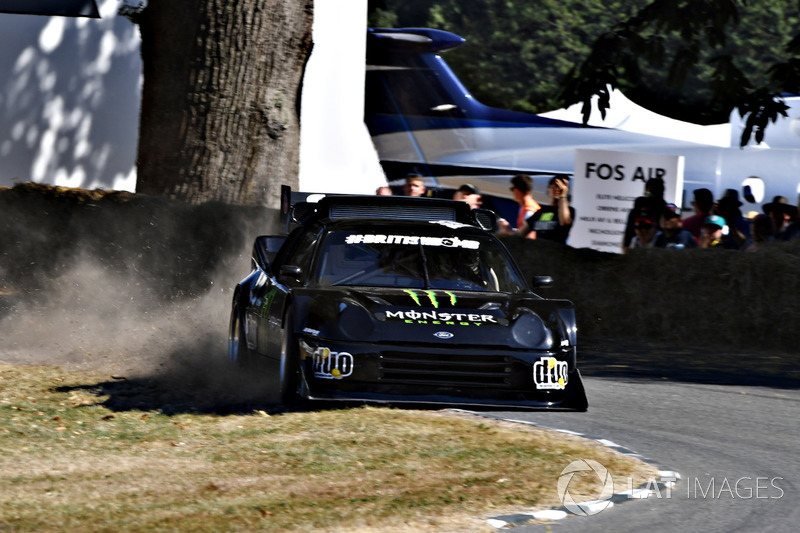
[756,185]
[408,92]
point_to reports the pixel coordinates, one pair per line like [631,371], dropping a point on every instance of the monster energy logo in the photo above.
[431,297]
[440,318]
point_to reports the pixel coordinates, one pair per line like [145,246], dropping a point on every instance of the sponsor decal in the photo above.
[312,332]
[443,335]
[439,317]
[431,297]
[331,365]
[413,240]
[413,296]
[269,297]
[550,374]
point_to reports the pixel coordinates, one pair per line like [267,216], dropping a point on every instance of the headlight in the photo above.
[529,331]
[355,322]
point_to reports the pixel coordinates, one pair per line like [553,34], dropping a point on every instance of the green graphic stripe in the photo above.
[431,296]
[413,296]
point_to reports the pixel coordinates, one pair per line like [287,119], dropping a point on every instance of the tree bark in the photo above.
[220,116]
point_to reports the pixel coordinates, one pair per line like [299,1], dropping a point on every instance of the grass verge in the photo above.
[68,462]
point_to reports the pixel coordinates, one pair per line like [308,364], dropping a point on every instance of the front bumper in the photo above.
[453,375]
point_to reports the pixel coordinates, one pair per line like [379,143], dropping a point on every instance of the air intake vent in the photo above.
[393,212]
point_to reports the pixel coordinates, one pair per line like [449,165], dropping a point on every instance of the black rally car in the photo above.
[397,299]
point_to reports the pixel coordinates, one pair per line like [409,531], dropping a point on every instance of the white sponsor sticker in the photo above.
[441,317]
[550,374]
[413,240]
[332,365]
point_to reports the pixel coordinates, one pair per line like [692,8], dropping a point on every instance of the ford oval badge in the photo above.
[443,335]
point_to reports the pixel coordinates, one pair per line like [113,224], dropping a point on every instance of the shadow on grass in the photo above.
[210,385]
[696,364]
[191,382]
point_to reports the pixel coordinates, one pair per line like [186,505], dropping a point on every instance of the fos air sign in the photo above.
[605,186]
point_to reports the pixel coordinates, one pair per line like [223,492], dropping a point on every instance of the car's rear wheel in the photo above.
[238,352]
[289,368]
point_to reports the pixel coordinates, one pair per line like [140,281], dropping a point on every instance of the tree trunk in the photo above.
[220,100]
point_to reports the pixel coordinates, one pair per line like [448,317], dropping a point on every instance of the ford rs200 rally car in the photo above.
[397,299]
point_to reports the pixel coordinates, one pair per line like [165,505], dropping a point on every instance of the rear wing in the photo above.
[303,208]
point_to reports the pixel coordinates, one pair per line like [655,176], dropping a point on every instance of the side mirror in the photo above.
[292,271]
[486,219]
[541,282]
[265,249]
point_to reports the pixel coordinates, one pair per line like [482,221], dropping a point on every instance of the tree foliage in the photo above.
[694,60]
[516,52]
[706,37]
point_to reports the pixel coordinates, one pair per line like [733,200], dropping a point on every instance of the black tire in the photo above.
[289,365]
[238,352]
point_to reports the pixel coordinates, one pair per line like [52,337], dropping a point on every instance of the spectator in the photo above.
[760,233]
[552,222]
[728,208]
[384,190]
[702,204]
[782,215]
[470,194]
[652,201]
[713,235]
[672,234]
[522,189]
[414,186]
[644,227]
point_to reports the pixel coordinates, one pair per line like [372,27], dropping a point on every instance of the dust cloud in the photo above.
[133,288]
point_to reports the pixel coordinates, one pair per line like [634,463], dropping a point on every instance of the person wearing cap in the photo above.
[782,214]
[672,234]
[714,235]
[653,201]
[414,186]
[702,204]
[470,194]
[552,222]
[644,226]
[728,208]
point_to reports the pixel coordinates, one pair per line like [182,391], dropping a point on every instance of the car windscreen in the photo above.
[434,261]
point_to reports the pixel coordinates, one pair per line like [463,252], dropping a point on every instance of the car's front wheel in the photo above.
[238,353]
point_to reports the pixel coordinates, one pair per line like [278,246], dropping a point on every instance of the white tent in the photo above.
[629,116]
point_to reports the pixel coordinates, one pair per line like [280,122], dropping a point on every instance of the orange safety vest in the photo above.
[530,207]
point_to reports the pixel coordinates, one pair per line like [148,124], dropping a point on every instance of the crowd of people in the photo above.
[534,221]
[652,222]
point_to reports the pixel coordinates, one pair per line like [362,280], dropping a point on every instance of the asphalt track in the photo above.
[735,447]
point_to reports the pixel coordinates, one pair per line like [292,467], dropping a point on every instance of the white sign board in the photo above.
[605,186]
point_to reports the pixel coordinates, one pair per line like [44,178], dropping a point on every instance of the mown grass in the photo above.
[68,462]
